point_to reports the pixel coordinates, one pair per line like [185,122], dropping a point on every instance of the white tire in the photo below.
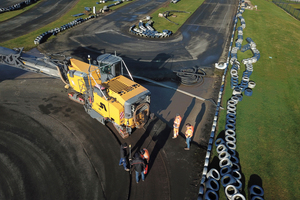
[232,102]
[204,172]
[230,190]
[251,84]
[224,154]
[213,173]
[245,78]
[235,98]
[230,138]
[231,145]
[238,196]
[229,132]
[231,107]
[221,148]
[231,112]
[225,162]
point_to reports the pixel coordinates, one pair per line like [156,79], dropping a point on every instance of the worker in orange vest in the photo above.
[188,135]
[176,126]
[145,155]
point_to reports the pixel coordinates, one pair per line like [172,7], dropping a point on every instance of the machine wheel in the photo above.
[141,115]
[77,97]
[121,130]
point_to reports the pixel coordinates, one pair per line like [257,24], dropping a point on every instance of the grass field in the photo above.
[161,23]
[268,133]
[26,41]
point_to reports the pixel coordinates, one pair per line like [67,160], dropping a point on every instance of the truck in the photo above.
[106,94]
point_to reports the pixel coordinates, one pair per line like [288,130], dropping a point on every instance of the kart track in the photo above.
[51,149]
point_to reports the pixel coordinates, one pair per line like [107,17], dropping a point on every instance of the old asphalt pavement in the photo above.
[51,149]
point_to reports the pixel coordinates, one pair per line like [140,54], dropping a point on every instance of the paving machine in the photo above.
[103,90]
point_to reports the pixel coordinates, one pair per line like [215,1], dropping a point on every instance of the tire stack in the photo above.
[148,31]
[44,36]
[229,175]
[256,192]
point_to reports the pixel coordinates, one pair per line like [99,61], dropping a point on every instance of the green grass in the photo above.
[161,23]
[11,14]
[296,5]
[267,129]
[26,41]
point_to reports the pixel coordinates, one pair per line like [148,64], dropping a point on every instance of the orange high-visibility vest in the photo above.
[177,122]
[146,155]
[189,131]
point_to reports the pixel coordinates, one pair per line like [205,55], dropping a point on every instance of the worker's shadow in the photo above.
[160,138]
[197,121]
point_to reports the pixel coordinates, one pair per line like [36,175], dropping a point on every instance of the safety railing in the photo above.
[285,5]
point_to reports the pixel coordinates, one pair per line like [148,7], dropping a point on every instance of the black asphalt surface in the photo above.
[51,149]
[200,40]
[44,13]
[5,3]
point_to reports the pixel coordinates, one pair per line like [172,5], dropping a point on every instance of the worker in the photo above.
[145,155]
[123,154]
[176,126]
[188,135]
[139,166]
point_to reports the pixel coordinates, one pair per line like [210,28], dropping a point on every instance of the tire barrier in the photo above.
[256,190]
[230,173]
[212,184]
[148,31]
[211,195]
[225,162]
[44,36]
[229,127]
[234,159]
[233,112]
[235,167]
[230,190]
[229,132]
[248,92]
[229,138]
[224,154]
[225,170]
[237,175]
[231,145]
[238,196]
[230,121]
[213,173]
[227,179]
[219,141]
[251,84]
[17,6]
[221,148]
[257,198]
[231,115]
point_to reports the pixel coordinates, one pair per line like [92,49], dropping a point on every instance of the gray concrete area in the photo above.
[44,13]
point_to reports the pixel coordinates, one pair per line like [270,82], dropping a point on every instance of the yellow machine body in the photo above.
[114,100]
